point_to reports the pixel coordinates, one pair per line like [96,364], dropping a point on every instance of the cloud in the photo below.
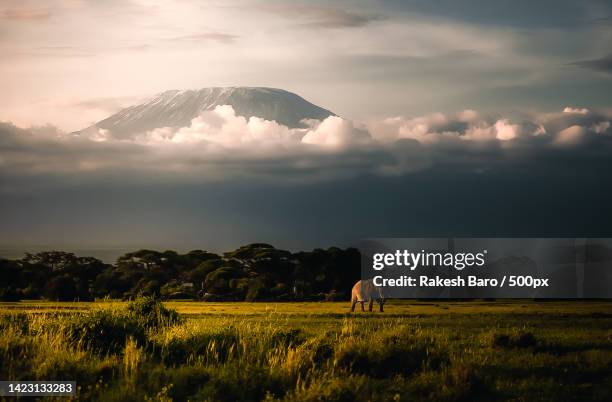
[594,122]
[601,127]
[569,109]
[467,125]
[225,178]
[223,128]
[603,64]
[220,145]
[335,132]
[320,16]
[219,37]
[571,135]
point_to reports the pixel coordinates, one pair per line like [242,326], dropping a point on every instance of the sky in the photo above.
[470,118]
[73,62]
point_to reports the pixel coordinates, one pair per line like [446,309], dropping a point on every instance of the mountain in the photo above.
[176,108]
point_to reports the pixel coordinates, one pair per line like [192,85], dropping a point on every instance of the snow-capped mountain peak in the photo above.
[176,108]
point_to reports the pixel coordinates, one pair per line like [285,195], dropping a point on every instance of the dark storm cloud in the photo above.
[463,174]
[549,194]
[603,64]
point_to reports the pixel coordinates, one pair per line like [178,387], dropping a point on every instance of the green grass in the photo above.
[448,351]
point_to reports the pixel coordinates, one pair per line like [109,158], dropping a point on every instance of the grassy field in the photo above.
[448,351]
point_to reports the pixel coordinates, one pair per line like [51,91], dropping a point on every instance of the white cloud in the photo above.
[571,136]
[223,127]
[335,132]
[467,125]
[506,131]
[218,144]
[99,135]
[569,109]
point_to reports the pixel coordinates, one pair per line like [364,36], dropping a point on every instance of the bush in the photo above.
[149,312]
[104,331]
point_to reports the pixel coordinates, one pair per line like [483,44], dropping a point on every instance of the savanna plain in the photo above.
[519,350]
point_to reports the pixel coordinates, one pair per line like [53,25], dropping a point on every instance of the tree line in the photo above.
[252,272]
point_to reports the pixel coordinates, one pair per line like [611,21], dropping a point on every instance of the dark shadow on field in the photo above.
[565,373]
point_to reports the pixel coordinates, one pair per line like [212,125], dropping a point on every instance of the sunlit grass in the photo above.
[520,350]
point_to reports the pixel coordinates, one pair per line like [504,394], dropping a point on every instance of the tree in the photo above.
[218,280]
[56,260]
[61,288]
[256,271]
[10,280]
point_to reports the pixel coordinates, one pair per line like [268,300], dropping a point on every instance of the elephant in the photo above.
[365,290]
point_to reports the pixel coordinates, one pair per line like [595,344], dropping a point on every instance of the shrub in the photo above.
[149,312]
[105,331]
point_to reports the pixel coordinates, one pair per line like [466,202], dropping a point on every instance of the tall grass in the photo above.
[144,351]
